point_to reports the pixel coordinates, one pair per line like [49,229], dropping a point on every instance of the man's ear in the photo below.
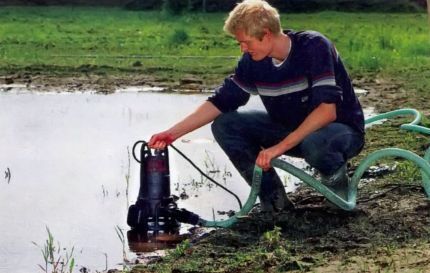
[267,33]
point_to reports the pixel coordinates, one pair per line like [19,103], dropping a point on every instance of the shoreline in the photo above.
[383,94]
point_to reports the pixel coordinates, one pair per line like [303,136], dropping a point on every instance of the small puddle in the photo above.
[67,165]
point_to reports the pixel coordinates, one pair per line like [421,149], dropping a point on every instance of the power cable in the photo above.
[205,175]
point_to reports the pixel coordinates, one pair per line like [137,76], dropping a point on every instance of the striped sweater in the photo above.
[313,73]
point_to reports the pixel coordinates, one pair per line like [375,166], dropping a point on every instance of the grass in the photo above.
[111,39]
[103,37]
[56,259]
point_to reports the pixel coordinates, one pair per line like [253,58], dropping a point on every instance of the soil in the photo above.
[389,231]
[106,84]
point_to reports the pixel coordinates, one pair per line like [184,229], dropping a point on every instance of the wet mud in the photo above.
[104,84]
[386,232]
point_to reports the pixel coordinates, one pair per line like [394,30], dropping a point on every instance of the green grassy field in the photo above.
[69,38]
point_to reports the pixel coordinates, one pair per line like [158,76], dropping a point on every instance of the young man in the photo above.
[312,110]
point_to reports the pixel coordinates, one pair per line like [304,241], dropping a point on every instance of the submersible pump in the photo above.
[155,210]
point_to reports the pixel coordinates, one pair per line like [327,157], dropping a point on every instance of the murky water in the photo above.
[65,157]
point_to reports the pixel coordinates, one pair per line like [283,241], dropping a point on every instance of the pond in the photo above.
[65,158]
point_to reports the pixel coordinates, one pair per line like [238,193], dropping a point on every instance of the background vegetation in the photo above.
[226,5]
[98,39]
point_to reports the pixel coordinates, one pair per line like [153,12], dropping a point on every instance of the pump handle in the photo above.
[134,148]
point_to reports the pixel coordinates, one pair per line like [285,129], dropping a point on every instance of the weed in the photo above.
[408,172]
[127,176]
[272,239]
[179,37]
[121,237]
[7,175]
[105,192]
[106,260]
[181,249]
[226,174]
[209,163]
[56,258]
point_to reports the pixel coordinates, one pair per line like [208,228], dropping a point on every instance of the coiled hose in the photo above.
[422,162]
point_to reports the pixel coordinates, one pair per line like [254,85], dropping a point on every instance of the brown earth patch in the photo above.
[107,84]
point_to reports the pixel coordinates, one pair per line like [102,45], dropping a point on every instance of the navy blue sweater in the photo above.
[313,73]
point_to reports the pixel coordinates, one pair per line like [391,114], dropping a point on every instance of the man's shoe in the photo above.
[276,203]
[338,182]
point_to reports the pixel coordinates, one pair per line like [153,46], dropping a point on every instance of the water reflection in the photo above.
[141,242]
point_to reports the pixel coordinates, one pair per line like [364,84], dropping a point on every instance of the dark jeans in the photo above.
[242,135]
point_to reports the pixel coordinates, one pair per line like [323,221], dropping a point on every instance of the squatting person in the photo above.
[311,112]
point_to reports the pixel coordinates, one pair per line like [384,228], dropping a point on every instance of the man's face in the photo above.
[256,48]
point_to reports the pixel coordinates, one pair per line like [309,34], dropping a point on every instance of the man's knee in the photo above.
[223,124]
[313,150]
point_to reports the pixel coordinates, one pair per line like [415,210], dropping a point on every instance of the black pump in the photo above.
[155,209]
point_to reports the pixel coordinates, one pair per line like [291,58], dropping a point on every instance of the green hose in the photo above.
[350,203]
[255,188]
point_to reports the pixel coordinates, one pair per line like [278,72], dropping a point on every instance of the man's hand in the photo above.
[266,155]
[161,140]
[204,114]
[318,118]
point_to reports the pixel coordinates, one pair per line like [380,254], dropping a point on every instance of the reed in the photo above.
[56,259]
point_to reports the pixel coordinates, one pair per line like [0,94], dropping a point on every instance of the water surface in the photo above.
[65,157]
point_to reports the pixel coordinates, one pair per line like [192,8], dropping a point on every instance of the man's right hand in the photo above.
[161,140]
[204,114]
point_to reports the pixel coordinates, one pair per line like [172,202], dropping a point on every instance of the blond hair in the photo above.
[253,17]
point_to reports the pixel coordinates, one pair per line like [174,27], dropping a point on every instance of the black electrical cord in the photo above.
[205,175]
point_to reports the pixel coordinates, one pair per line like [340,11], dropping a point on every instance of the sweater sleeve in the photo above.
[322,59]
[235,90]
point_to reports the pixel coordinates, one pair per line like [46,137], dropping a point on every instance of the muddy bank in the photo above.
[101,83]
[387,232]
[388,216]
[383,92]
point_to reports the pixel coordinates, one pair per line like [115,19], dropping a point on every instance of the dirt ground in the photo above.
[102,84]
[389,231]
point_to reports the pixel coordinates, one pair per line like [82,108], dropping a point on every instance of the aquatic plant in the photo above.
[121,237]
[56,259]
[127,176]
